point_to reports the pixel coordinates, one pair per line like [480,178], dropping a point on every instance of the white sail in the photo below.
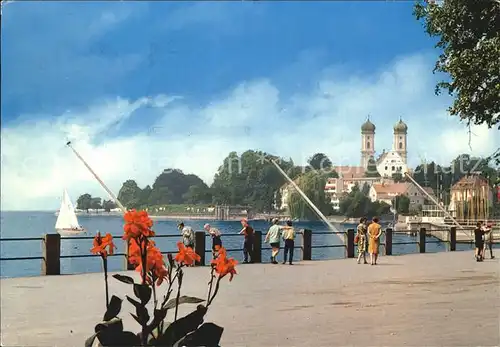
[67,217]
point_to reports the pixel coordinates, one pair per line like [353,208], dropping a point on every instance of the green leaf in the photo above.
[124,279]
[183,300]
[159,316]
[142,315]
[181,327]
[114,308]
[208,334]
[90,341]
[115,324]
[142,292]
[133,301]
[121,338]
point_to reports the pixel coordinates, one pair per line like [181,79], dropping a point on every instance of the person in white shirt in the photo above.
[187,235]
[273,237]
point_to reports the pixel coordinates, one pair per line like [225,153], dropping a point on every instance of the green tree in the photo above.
[312,184]
[197,195]
[130,194]
[108,205]
[371,169]
[171,185]
[468,33]
[84,202]
[356,204]
[249,179]
[366,189]
[95,204]
[398,177]
[145,195]
[402,204]
[321,162]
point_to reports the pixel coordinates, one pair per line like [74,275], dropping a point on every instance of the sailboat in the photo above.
[67,222]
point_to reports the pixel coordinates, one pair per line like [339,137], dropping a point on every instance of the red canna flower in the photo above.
[155,263]
[224,265]
[103,245]
[186,255]
[137,223]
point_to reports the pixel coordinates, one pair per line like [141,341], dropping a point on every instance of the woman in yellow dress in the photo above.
[374,232]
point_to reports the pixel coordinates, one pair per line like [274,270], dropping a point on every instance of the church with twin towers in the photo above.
[388,162]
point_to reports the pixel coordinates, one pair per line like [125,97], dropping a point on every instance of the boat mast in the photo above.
[436,203]
[113,196]
[309,202]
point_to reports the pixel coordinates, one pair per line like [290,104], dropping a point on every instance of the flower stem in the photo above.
[210,284]
[106,288]
[144,255]
[215,291]
[179,280]
[153,286]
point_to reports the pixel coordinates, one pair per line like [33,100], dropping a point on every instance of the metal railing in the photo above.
[51,245]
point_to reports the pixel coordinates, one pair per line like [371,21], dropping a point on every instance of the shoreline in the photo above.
[211,217]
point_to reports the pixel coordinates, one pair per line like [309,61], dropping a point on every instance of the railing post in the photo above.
[257,247]
[51,252]
[422,237]
[306,245]
[453,239]
[388,241]
[128,265]
[199,247]
[350,243]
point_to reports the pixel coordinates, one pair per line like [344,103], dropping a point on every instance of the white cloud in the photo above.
[36,165]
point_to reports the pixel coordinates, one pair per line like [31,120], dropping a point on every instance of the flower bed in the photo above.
[157,328]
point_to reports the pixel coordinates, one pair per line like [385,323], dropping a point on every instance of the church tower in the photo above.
[400,139]
[367,142]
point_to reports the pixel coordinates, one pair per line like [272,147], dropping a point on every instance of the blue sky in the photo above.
[182,84]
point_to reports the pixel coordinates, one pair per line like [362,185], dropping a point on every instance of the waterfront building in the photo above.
[471,198]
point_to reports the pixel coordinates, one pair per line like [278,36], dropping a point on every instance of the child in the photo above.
[289,238]
[273,237]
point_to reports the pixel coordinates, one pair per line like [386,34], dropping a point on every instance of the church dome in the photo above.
[368,126]
[400,127]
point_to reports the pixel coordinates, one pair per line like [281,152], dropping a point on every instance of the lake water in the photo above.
[36,224]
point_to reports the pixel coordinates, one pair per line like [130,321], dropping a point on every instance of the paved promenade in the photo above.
[443,299]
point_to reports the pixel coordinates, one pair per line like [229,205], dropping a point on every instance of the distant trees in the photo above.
[87,202]
[442,177]
[172,186]
[84,202]
[358,204]
[321,162]
[398,177]
[312,184]
[251,179]
[371,169]
[402,204]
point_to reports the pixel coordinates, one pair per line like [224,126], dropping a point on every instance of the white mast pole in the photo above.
[311,204]
[436,203]
[113,196]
